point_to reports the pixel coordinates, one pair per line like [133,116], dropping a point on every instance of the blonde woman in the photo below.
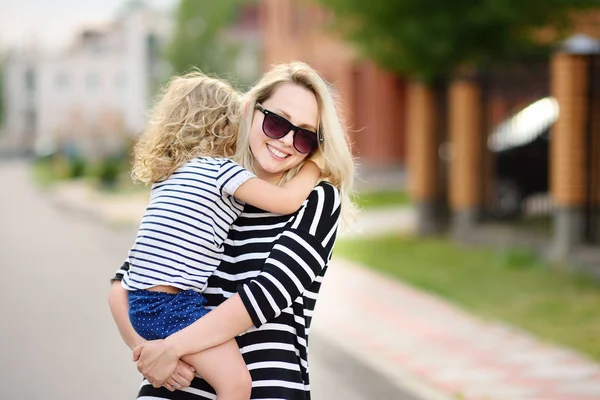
[193,202]
[264,291]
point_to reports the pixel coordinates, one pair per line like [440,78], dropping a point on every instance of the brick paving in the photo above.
[446,348]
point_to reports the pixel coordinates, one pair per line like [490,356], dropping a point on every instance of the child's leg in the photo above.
[224,369]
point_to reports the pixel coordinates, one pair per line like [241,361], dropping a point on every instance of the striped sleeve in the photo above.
[230,177]
[120,272]
[297,258]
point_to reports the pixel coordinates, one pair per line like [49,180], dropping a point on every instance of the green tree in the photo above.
[198,40]
[431,38]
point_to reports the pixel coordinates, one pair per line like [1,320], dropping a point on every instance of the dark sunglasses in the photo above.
[276,127]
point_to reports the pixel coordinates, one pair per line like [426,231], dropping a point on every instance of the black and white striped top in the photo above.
[277,264]
[180,239]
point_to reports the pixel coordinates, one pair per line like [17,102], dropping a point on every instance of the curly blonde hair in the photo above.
[195,116]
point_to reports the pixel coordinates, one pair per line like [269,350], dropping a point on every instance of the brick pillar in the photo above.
[422,159]
[466,165]
[569,85]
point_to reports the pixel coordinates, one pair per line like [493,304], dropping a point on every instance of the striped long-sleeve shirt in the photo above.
[276,264]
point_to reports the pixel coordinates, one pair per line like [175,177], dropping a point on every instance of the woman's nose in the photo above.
[288,139]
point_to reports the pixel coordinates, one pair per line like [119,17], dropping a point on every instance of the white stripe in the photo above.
[279,286]
[330,234]
[268,346]
[255,306]
[252,240]
[244,257]
[318,211]
[299,217]
[278,327]
[288,272]
[274,364]
[218,290]
[310,295]
[258,227]
[236,277]
[307,247]
[277,383]
[269,298]
[299,261]
[301,341]
[299,320]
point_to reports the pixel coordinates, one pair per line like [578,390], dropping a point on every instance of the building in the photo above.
[99,87]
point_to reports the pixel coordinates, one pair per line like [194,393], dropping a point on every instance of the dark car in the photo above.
[520,146]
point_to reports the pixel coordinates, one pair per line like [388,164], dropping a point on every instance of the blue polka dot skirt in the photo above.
[156,315]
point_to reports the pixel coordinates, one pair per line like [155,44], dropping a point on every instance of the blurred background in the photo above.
[475,126]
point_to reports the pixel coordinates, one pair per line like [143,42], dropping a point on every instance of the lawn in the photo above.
[382,198]
[513,285]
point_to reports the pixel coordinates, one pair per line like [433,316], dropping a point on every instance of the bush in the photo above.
[76,168]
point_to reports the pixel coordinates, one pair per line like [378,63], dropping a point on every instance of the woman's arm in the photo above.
[285,199]
[119,308]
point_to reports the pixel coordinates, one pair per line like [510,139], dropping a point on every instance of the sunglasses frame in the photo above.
[293,127]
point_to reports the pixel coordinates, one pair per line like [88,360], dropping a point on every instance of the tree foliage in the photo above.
[198,37]
[431,38]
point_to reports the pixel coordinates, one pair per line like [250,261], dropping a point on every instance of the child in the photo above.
[195,197]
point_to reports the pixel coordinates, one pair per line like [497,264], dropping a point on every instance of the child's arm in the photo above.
[285,199]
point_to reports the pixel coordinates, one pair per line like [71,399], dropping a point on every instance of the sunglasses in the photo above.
[276,127]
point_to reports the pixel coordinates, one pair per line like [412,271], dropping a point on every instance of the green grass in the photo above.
[43,173]
[382,198]
[512,285]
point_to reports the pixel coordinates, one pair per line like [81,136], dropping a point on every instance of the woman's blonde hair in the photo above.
[195,116]
[333,155]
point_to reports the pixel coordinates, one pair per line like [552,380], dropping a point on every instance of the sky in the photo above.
[53,24]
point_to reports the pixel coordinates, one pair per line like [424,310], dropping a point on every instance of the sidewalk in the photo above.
[418,341]
[440,351]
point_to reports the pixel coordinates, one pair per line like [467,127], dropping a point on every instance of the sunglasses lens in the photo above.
[305,141]
[275,127]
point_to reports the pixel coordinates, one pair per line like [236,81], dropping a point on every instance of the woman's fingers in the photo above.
[184,374]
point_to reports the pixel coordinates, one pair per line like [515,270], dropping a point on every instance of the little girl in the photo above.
[196,195]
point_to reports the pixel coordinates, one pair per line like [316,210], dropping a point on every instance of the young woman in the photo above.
[264,291]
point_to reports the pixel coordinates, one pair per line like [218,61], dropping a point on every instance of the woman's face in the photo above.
[274,157]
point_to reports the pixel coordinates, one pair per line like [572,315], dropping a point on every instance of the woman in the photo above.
[267,285]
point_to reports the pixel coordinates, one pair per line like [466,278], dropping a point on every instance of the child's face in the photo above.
[274,157]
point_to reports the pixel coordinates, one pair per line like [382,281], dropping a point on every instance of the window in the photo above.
[92,81]
[30,80]
[62,80]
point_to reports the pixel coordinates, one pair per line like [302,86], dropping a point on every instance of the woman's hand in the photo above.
[156,360]
[181,378]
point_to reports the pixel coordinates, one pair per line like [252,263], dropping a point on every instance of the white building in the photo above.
[95,91]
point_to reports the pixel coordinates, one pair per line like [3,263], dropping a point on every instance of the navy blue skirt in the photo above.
[156,315]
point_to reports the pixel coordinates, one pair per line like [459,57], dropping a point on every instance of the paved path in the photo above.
[58,340]
[404,332]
